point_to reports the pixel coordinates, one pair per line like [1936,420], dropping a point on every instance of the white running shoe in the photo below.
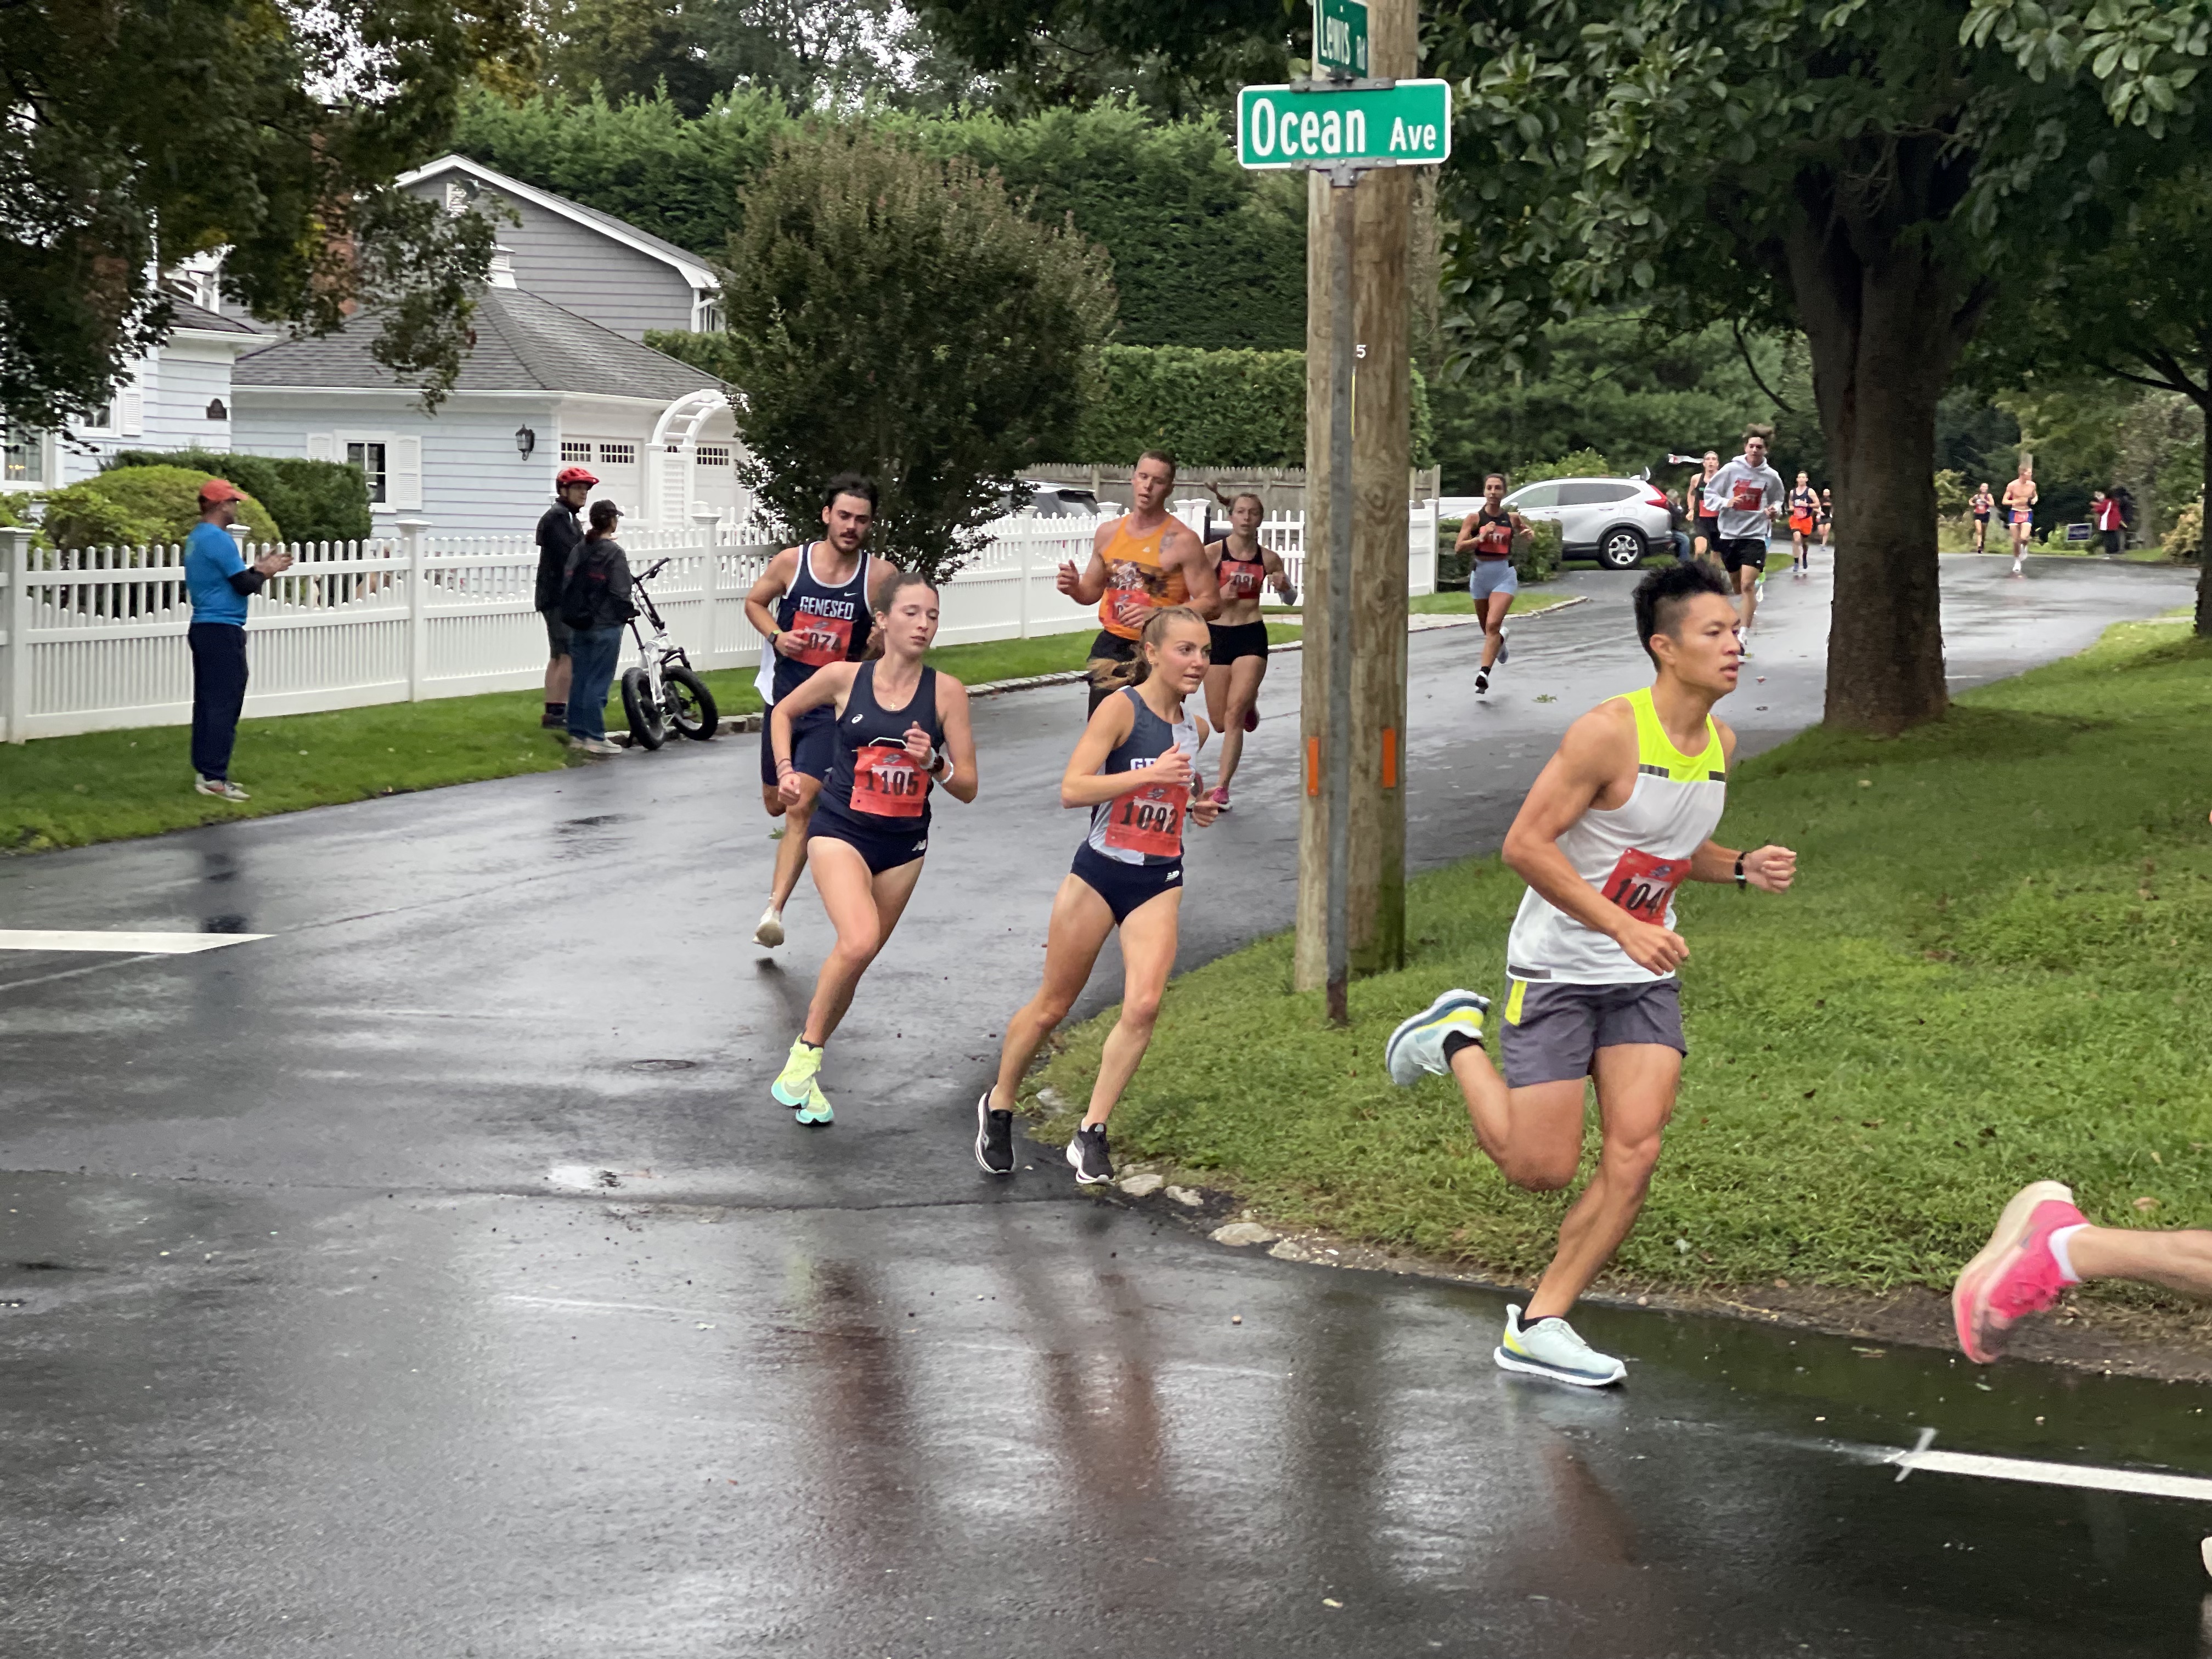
[771,931]
[1418,1045]
[1550,1348]
[221,788]
[1504,646]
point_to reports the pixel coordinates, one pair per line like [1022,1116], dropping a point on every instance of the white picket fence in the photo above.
[93,639]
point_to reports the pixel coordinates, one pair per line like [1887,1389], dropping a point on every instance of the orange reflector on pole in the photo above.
[1313,766]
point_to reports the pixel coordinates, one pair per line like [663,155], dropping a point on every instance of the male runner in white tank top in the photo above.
[1621,815]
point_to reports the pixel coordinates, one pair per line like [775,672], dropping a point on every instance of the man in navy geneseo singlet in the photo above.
[812,605]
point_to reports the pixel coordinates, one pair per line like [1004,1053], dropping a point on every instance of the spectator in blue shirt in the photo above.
[218,580]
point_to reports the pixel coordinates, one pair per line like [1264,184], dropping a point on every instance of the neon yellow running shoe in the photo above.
[816,1108]
[796,1083]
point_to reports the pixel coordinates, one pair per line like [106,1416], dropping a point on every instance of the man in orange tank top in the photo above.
[1144,560]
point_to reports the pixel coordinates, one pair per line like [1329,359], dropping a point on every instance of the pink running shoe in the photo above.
[1252,718]
[1220,797]
[2015,1274]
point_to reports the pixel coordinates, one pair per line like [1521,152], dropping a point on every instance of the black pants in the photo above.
[218,693]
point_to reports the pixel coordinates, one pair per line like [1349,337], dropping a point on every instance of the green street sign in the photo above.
[1340,37]
[1407,123]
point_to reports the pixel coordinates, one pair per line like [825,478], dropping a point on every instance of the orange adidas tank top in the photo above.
[1137,584]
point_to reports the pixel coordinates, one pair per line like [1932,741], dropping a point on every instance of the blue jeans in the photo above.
[592,653]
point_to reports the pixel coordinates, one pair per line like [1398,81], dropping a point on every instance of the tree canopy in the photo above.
[146,131]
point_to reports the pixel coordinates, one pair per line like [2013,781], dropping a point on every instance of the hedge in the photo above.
[1214,407]
[133,506]
[314,500]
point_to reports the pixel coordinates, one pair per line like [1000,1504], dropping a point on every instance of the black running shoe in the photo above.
[1481,681]
[1086,1155]
[994,1138]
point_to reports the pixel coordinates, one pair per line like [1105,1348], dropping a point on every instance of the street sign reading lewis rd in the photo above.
[1340,37]
[1408,123]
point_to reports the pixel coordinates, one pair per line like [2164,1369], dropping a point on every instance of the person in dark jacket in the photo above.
[558,533]
[595,603]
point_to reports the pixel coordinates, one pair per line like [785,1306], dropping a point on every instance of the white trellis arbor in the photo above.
[672,478]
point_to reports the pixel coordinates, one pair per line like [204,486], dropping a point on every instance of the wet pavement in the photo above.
[434,1277]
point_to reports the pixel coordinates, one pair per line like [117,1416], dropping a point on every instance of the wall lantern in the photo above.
[525,442]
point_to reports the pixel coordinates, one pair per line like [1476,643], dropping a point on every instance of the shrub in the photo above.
[1582,464]
[1950,493]
[2184,542]
[314,501]
[132,504]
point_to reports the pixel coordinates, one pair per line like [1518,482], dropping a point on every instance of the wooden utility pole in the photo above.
[1374,850]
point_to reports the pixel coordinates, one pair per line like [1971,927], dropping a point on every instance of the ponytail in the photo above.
[1156,631]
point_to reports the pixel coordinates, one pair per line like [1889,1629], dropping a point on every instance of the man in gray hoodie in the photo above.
[1746,496]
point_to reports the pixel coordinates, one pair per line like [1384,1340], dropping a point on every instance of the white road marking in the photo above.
[159,945]
[2143,1482]
[581,1306]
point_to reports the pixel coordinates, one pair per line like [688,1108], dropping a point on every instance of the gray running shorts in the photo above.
[1551,1032]
[1489,576]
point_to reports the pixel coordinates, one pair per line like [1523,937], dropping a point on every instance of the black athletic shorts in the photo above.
[1739,551]
[556,634]
[1245,639]
[1111,657]
[881,850]
[1710,529]
[1125,887]
[813,744]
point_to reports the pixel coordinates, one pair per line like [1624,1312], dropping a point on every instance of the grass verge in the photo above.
[1992,971]
[1458,602]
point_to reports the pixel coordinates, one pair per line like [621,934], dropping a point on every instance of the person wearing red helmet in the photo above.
[559,534]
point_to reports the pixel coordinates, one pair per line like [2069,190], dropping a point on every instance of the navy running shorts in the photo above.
[813,744]
[1125,887]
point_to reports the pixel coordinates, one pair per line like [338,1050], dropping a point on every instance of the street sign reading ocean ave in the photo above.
[1407,123]
[1340,37]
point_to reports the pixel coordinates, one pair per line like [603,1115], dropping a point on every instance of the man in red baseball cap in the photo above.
[559,533]
[219,580]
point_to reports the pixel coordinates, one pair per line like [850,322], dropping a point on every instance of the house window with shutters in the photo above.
[391,465]
[369,457]
[22,456]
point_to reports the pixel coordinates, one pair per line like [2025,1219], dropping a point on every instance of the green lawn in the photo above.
[108,786]
[1458,602]
[1993,968]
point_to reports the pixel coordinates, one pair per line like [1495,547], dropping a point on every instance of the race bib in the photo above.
[1149,820]
[887,783]
[1241,580]
[822,640]
[1131,607]
[1748,497]
[1494,541]
[1645,886]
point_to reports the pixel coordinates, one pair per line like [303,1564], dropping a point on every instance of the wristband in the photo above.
[1739,872]
[783,766]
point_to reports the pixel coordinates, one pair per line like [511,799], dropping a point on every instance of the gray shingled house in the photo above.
[543,388]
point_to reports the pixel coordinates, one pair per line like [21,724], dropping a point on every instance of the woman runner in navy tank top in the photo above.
[898,726]
[1136,767]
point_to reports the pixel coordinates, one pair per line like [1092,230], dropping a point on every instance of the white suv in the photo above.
[1614,521]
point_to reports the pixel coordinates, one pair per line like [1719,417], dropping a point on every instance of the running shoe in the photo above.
[815,1109]
[795,1082]
[1481,681]
[994,1138]
[221,788]
[1550,1348]
[1087,1156]
[1504,646]
[1252,718]
[2016,1273]
[1418,1044]
[771,931]
[1221,797]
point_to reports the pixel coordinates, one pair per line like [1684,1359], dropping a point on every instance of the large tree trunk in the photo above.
[1886,322]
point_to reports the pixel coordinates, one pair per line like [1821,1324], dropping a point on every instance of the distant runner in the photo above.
[1745,495]
[1620,816]
[1136,767]
[898,727]
[1706,544]
[1827,515]
[1145,560]
[2020,498]
[1241,568]
[1804,519]
[2043,1244]
[1982,506]
[1490,532]
[822,614]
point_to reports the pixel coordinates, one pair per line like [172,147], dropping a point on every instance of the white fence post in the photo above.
[16,564]
[418,627]
[1022,564]
[705,523]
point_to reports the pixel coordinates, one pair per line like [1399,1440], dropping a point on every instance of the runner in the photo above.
[1620,816]
[1827,515]
[1136,767]
[2043,1244]
[2019,499]
[1804,519]
[897,724]
[1707,543]
[1982,506]
[821,615]
[1747,495]
[1241,568]
[1145,560]
[1490,532]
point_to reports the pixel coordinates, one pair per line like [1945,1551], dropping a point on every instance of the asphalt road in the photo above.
[434,1277]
